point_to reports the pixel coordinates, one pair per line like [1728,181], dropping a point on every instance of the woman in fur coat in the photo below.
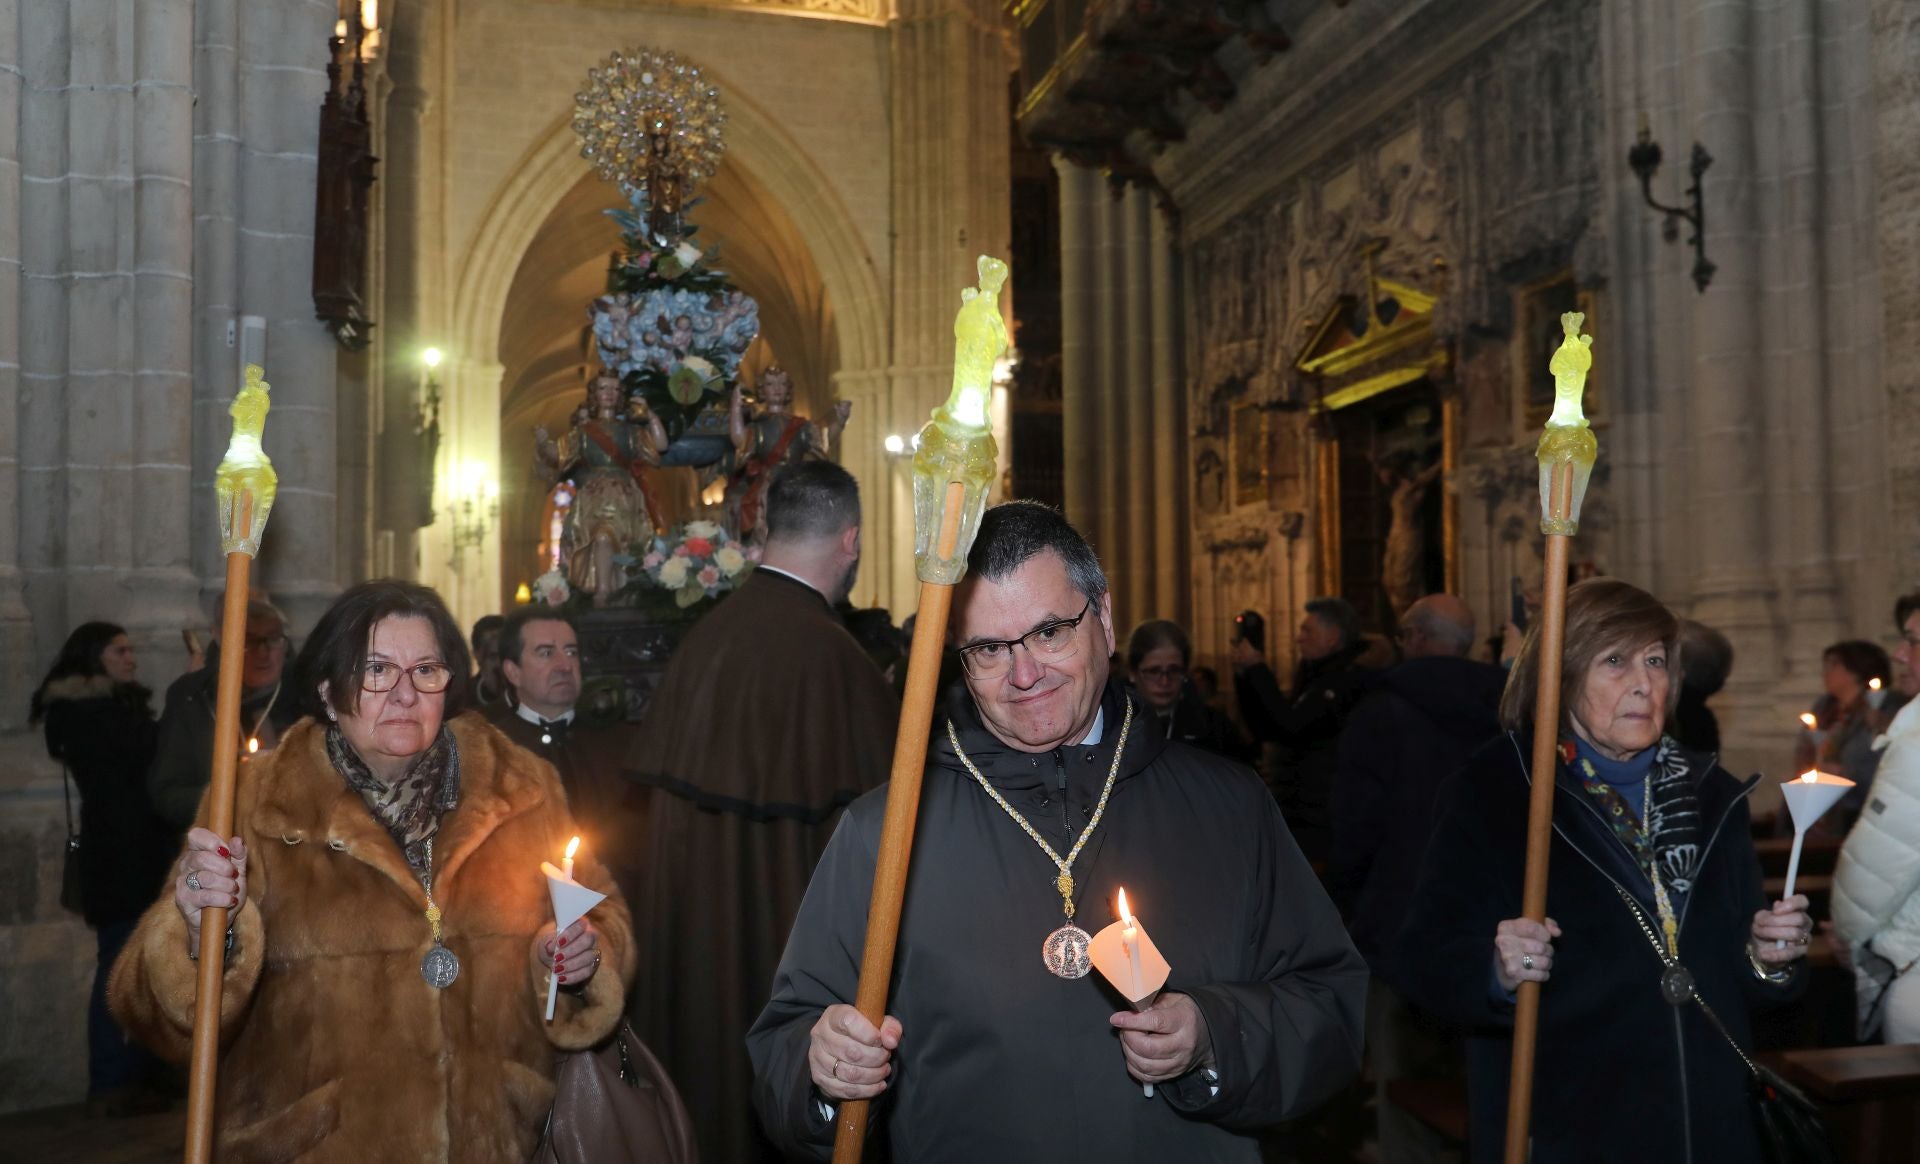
[388,961]
[99,725]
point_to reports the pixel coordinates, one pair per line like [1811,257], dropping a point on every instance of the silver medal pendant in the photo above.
[1065,952]
[439,967]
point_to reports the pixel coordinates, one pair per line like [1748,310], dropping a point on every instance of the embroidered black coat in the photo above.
[1619,1073]
[1001,1061]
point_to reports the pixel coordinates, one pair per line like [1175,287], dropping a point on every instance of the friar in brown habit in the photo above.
[769,721]
[540,661]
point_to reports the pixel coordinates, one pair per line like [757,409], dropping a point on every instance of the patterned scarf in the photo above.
[1669,839]
[411,807]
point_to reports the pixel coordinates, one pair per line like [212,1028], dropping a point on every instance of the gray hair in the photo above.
[1339,614]
[1437,628]
[1013,532]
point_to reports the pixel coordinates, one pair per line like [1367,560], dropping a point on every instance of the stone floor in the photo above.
[65,1133]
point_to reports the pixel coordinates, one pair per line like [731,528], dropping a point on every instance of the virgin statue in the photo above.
[608,452]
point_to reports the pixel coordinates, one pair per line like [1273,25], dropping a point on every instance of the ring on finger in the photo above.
[193,881]
[836,1069]
[1526,961]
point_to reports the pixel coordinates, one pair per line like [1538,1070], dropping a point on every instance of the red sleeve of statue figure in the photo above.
[612,511]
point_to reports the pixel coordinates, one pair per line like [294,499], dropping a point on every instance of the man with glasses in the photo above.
[1047,791]
[770,719]
[540,664]
[183,760]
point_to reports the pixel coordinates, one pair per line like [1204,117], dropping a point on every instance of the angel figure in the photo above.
[609,452]
[770,439]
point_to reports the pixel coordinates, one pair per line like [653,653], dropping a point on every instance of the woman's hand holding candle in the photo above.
[574,957]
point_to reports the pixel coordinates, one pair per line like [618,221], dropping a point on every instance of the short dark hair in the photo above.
[1153,634]
[487,624]
[1864,659]
[814,499]
[1903,609]
[513,628]
[1706,658]
[336,651]
[1339,614]
[1601,613]
[1014,531]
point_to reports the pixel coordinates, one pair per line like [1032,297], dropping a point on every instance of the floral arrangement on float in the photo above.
[551,589]
[696,562]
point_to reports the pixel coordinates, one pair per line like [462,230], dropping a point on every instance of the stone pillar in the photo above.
[1109,392]
[1079,409]
[396,470]
[1895,30]
[950,179]
[1166,441]
[1138,467]
[216,265]
[17,656]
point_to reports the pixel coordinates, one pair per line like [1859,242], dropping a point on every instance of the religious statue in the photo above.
[771,438]
[1403,573]
[609,452]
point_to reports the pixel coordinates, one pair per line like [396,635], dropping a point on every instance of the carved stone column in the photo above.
[1079,408]
[16,626]
[1166,440]
[1896,128]
[1133,343]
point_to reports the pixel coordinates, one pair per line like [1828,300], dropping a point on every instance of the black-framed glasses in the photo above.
[427,678]
[266,642]
[1053,640]
[1171,673]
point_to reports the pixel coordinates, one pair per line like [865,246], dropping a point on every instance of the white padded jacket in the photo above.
[1876,889]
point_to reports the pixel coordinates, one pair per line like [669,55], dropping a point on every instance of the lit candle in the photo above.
[1808,799]
[566,864]
[1876,693]
[1131,936]
[253,744]
[340,29]
[1807,721]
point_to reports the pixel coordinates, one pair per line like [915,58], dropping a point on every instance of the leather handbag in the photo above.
[72,895]
[1787,1122]
[614,1104]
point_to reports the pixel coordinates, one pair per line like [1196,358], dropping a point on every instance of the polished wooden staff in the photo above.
[1566,453]
[953,466]
[245,485]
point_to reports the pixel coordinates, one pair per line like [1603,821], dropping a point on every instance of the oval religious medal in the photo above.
[1677,985]
[1066,952]
[439,967]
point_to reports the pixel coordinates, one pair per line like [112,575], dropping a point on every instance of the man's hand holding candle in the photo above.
[1164,1041]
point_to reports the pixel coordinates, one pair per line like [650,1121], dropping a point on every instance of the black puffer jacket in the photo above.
[1620,1075]
[104,733]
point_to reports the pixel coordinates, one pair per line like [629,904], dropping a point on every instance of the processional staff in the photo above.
[1566,452]
[953,466]
[245,485]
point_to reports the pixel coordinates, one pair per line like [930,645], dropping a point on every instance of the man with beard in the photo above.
[769,721]
[540,664]
[1047,790]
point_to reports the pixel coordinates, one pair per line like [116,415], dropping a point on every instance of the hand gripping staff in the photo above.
[953,466]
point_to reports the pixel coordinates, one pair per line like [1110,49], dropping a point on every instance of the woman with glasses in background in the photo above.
[1159,654]
[391,936]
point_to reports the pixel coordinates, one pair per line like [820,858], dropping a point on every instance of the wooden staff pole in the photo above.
[203,1068]
[1546,741]
[903,812]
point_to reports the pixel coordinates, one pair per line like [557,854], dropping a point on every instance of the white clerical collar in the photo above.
[1098,729]
[794,576]
[537,720]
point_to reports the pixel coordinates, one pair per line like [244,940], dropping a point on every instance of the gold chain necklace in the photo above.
[439,967]
[1065,950]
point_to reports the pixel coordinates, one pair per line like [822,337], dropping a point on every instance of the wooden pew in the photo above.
[1870,1097]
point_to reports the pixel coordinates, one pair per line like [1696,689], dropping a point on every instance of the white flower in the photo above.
[701,368]
[730,561]
[703,529]
[687,253]
[673,573]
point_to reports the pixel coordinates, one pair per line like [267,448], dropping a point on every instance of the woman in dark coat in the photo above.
[1620,1073]
[1159,654]
[99,724]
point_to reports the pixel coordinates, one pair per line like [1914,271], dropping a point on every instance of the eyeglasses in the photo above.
[1167,674]
[266,642]
[1054,640]
[427,678]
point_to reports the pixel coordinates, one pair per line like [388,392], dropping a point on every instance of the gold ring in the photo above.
[836,1068]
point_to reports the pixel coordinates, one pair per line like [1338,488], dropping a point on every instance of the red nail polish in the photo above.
[224,853]
[563,978]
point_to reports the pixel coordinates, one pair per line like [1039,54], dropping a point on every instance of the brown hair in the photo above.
[1150,636]
[1601,613]
[336,651]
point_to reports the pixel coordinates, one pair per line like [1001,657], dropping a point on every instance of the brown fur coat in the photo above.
[334,1048]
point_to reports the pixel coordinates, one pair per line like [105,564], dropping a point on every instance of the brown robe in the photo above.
[590,758]
[770,720]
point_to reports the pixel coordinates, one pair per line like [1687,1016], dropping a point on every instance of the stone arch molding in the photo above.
[757,143]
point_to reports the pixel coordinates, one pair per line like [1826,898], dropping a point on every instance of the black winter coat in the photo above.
[183,757]
[1416,724]
[1619,1074]
[1001,1061]
[104,734]
[1306,726]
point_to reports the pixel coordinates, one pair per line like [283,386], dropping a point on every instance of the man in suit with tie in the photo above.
[540,659]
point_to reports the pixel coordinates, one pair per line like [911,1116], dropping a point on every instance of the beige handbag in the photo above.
[615,1104]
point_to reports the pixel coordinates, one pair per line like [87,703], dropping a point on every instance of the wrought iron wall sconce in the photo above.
[1644,159]
[342,204]
[472,509]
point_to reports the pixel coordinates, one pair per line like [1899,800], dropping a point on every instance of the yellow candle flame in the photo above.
[523,594]
[253,744]
[1812,777]
[1873,684]
[1126,915]
[1807,720]
[573,847]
